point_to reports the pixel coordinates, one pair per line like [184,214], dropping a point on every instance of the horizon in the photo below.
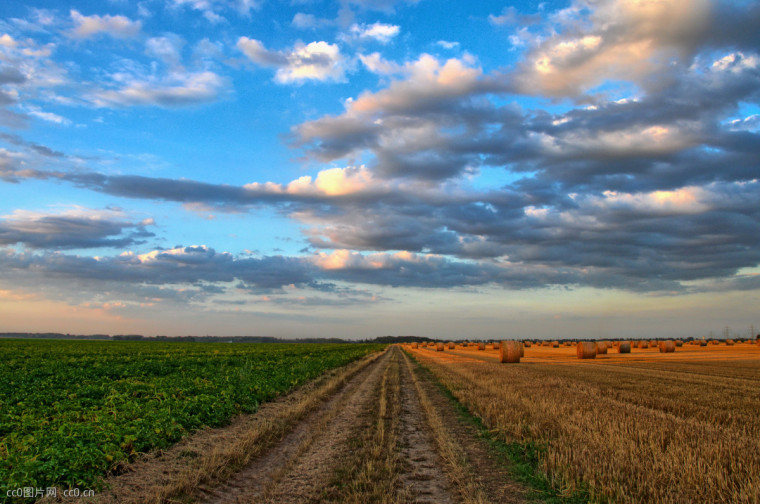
[566,170]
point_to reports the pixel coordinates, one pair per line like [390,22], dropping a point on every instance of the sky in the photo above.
[357,168]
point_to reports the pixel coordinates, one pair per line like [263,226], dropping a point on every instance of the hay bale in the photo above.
[522,349]
[528,344]
[439,347]
[555,344]
[509,351]
[730,342]
[452,346]
[586,350]
[481,346]
[624,347]
[653,344]
[414,345]
[643,344]
[601,348]
[702,343]
[667,346]
[679,343]
[495,346]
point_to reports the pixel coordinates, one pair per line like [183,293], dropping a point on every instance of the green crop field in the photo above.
[71,411]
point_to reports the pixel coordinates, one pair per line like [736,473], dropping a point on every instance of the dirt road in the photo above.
[376,431]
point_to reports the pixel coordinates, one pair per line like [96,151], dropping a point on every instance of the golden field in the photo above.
[639,427]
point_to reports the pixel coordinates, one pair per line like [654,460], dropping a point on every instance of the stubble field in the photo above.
[639,427]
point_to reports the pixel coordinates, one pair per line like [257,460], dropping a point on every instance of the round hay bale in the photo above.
[667,346]
[679,343]
[481,346]
[464,345]
[601,348]
[495,346]
[555,344]
[624,347]
[545,343]
[522,349]
[414,345]
[702,343]
[586,350]
[528,344]
[439,347]
[653,344]
[509,351]
[730,342]
[452,346]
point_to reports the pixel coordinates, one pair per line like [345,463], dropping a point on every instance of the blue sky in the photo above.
[368,167]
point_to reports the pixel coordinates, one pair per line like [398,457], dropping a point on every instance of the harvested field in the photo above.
[681,426]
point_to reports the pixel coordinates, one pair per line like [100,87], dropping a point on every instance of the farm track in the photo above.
[381,430]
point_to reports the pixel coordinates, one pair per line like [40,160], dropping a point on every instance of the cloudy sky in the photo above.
[356,168]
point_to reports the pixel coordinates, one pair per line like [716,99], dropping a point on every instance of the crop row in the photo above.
[72,411]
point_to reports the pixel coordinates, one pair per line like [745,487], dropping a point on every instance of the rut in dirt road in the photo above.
[386,436]
[296,468]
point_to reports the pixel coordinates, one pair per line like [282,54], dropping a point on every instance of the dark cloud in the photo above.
[11,75]
[71,232]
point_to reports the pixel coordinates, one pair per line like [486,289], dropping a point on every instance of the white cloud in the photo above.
[7,41]
[314,61]
[379,32]
[447,44]
[329,182]
[305,21]
[115,26]
[508,16]
[49,117]
[427,79]
[177,89]
[376,64]
[167,48]
[620,40]
[210,8]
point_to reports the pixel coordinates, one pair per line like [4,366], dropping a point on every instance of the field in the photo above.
[638,427]
[349,424]
[71,411]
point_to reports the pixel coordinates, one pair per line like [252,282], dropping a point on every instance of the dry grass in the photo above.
[371,473]
[457,467]
[679,427]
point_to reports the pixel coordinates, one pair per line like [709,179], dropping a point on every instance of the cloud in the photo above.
[379,32]
[11,76]
[329,182]
[210,8]
[447,44]
[625,40]
[78,228]
[167,48]
[304,21]
[318,61]
[114,26]
[48,116]
[176,89]
[375,63]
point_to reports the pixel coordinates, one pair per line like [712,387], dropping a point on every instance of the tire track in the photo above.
[296,468]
